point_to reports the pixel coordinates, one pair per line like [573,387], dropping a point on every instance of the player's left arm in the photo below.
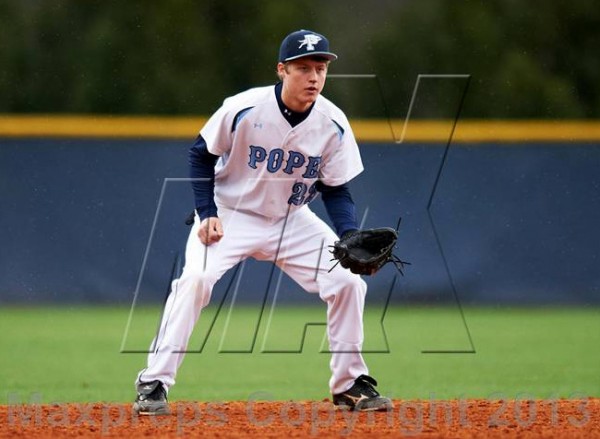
[340,207]
[341,163]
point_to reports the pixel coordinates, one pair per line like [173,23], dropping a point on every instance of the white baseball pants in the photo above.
[297,248]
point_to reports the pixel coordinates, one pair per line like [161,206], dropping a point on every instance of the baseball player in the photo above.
[255,166]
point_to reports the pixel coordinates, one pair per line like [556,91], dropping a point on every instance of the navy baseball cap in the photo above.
[305,43]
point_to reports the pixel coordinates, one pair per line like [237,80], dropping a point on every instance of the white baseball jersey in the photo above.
[256,143]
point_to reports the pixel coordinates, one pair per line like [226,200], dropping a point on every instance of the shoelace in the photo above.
[366,385]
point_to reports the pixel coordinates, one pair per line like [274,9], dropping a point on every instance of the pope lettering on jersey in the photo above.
[255,166]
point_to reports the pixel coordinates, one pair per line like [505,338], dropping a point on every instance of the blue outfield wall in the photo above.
[517,223]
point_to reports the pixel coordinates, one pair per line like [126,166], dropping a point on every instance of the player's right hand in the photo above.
[210,230]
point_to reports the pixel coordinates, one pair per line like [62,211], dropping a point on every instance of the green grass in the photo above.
[73,354]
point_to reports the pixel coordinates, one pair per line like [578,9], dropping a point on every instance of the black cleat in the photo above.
[151,399]
[362,396]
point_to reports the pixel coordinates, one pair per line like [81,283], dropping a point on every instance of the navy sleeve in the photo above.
[202,172]
[340,207]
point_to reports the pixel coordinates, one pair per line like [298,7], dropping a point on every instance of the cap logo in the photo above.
[309,40]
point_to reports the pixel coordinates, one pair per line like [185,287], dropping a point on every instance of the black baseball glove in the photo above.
[366,251]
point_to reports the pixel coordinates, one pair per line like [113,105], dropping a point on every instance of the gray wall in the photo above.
[517,223]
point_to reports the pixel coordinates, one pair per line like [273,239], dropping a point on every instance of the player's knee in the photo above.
[200,275]
[200,282]
[350,286]
[356,285]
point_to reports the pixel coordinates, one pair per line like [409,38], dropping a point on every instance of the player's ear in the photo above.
[280,70]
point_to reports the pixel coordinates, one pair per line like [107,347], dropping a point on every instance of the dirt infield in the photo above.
[448,419]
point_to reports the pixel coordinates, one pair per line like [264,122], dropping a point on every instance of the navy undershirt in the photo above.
[337,199]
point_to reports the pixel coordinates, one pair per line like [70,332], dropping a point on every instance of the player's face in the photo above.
[303,80]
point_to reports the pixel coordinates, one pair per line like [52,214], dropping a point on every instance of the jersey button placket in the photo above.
[288,139]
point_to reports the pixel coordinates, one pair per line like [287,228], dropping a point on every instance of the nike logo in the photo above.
[147,387]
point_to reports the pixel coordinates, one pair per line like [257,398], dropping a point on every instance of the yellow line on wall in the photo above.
[366,130]
[100,126]
[477,131]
